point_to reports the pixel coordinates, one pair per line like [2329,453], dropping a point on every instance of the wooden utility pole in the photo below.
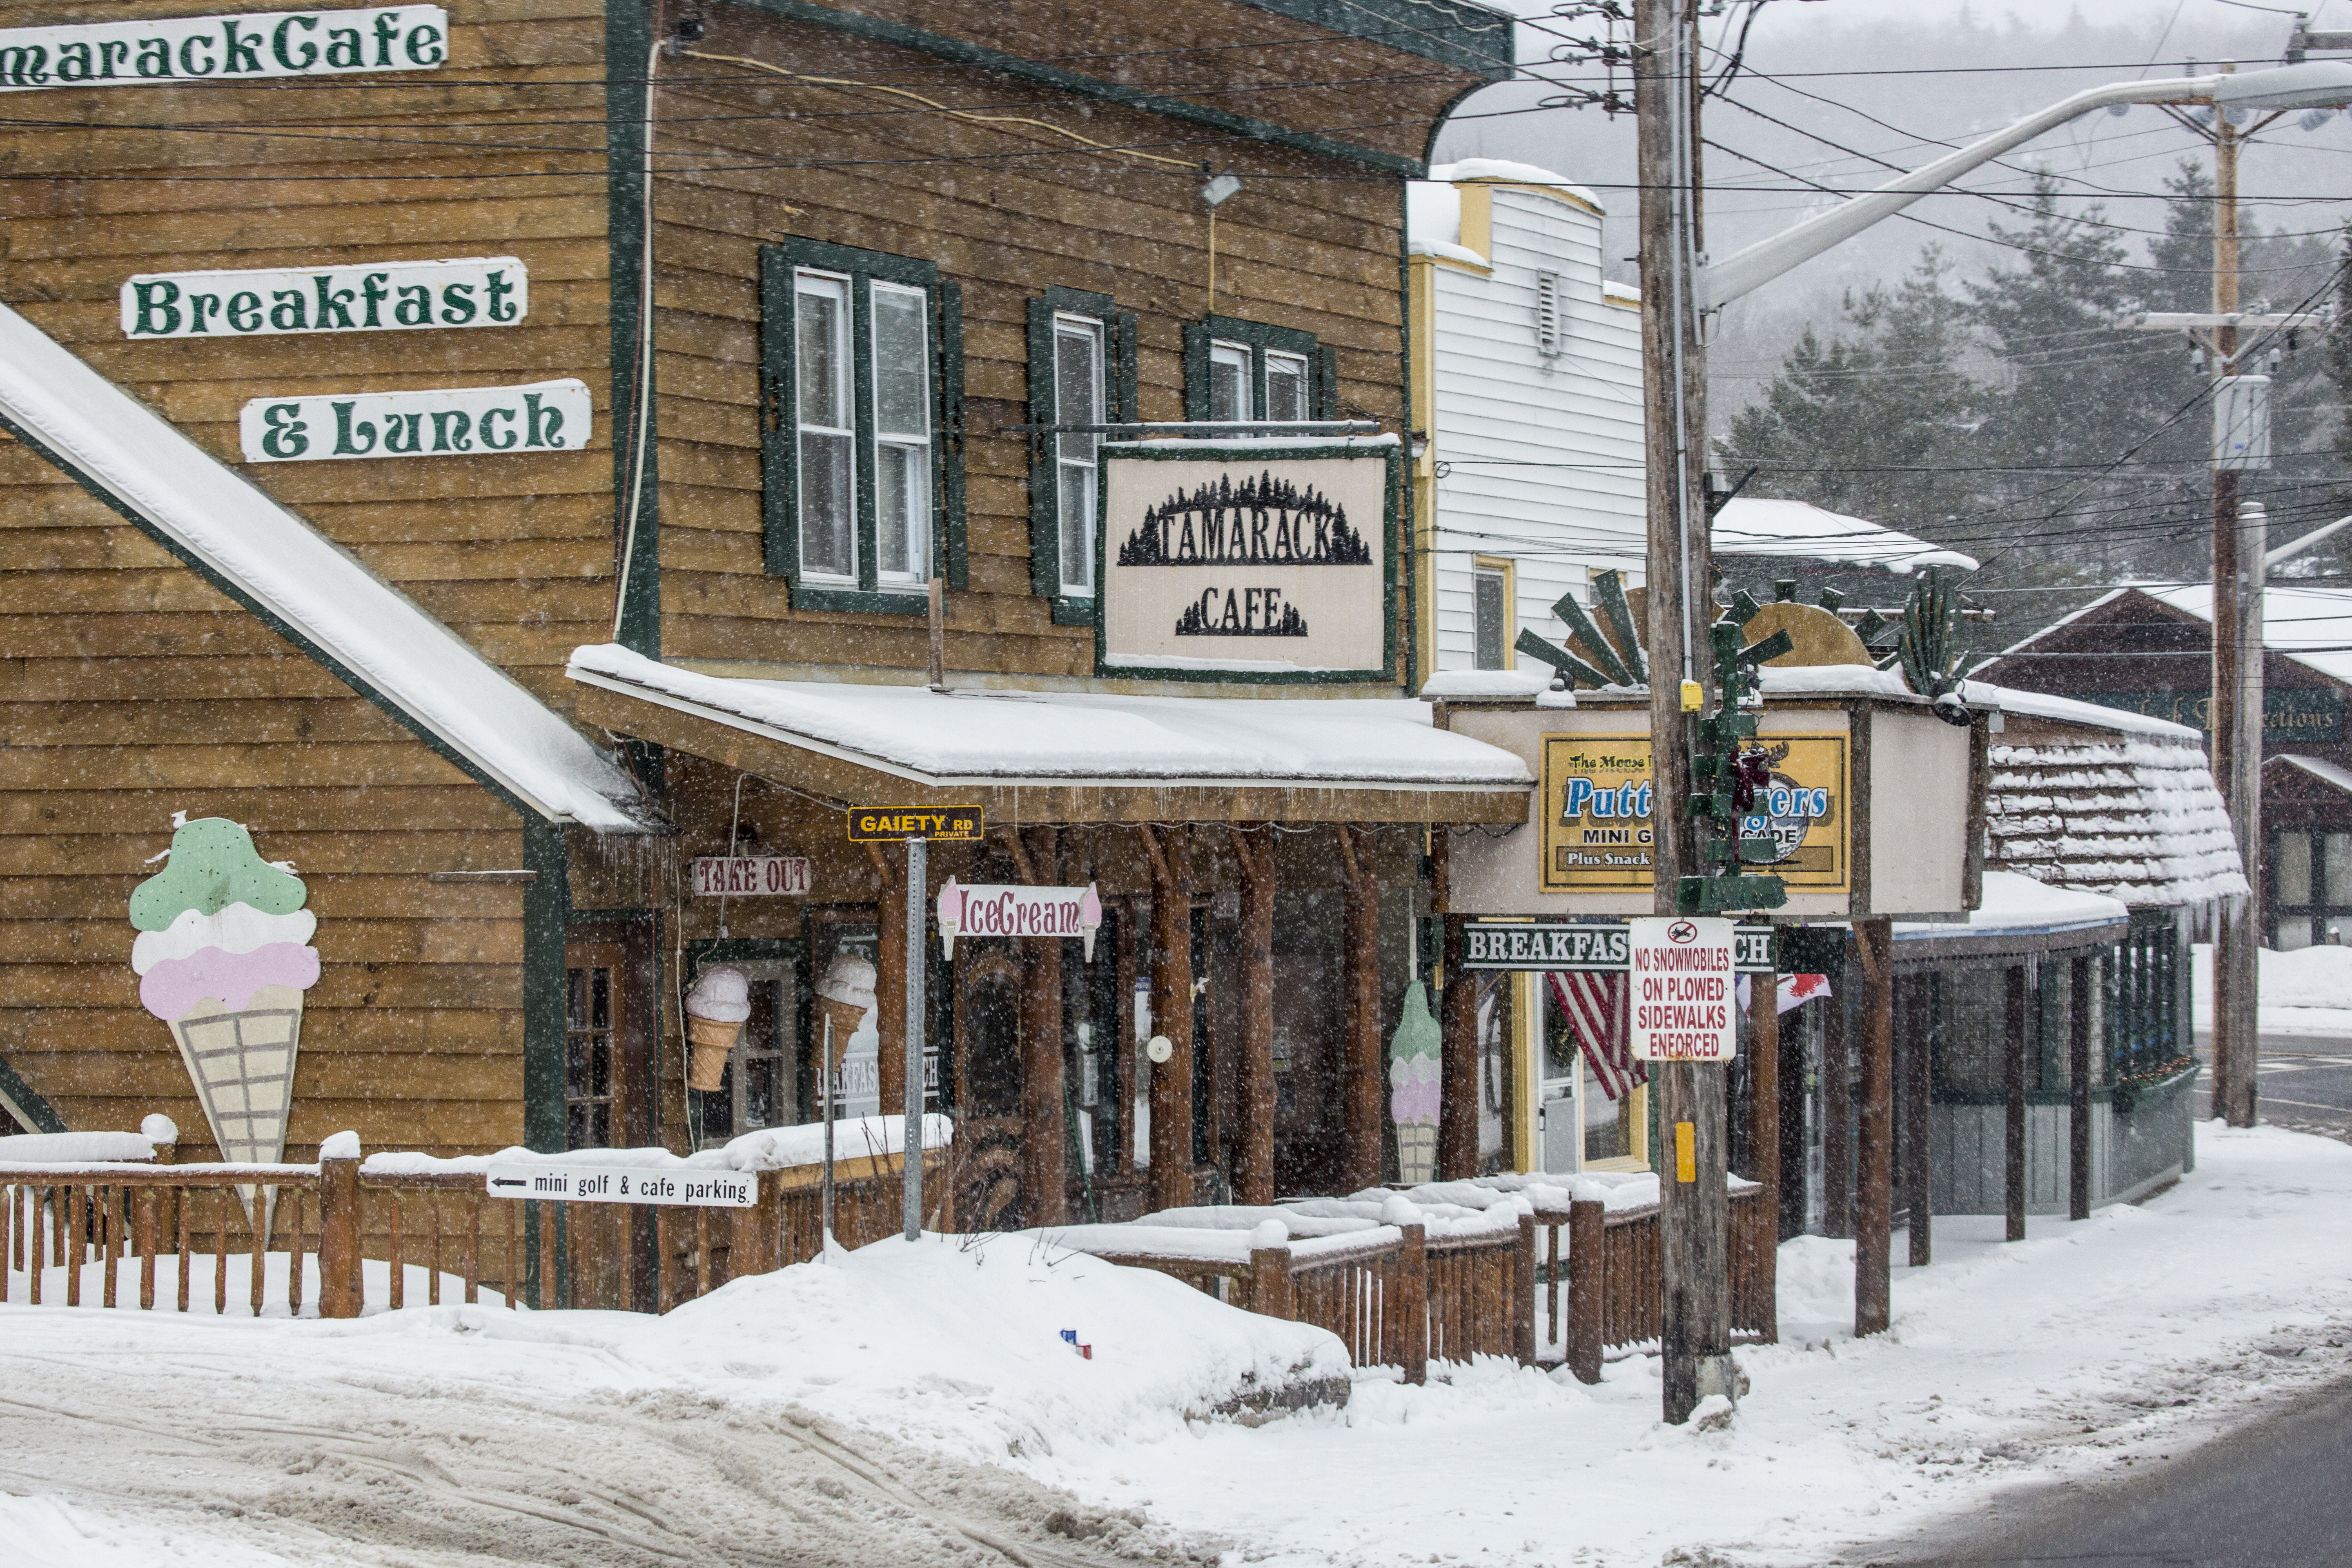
[1694,1219]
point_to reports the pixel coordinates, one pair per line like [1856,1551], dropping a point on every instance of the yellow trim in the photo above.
[1527,1023]
[1421,306]
[1509,568]
[1484,186]
[1620,301]
[1477,217]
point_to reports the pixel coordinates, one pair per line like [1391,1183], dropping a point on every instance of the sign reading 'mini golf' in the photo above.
[1248,560]
[224,49]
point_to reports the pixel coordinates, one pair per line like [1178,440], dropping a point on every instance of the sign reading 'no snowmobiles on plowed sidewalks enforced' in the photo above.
[180,49]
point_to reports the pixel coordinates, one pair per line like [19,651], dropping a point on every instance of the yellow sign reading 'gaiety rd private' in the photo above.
[1599,812]
[889,824]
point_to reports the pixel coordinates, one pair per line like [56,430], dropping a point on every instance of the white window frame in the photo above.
[917,446]
[1298,367]
[842,289]
[1076,458]
[1223,350]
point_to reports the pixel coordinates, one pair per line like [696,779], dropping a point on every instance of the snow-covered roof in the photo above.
[1762,526]
[310,585]
[2310,625]
[2131,813]
[1503,170]
[2014,903]
[983,737]
[2316,767]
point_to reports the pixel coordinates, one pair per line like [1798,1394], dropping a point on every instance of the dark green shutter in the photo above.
[1123,376]
[1045,546]
[778,448]
[1327,383]
[954,542]
[1196,370]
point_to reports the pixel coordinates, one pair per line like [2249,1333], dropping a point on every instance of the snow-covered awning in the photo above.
[1750,525]
[305,586]
[1064,756]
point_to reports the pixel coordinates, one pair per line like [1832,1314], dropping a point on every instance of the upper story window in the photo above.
[1245,371]
[1081,371]
[862,466]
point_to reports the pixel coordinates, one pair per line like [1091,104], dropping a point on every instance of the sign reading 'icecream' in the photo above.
[544,416]
[175,49]
[399,296]
[1264,559]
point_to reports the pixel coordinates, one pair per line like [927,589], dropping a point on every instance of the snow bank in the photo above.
[2303,993]
[65,1148]
[770,1149]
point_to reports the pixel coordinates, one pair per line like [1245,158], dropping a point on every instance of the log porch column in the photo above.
[1171,1014]
[1764,1134]
[1457,1109]
[1874,1201]
[2012,1084]
[890,975]
[1361,1075]
[1253,1171]
[1044,1135]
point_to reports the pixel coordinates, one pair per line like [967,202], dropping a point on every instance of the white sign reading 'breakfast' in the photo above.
[468,422]
[397,296]
[173,49]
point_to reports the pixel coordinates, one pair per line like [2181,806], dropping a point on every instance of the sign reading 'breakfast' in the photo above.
[224,49]
[544,416]
[477,291]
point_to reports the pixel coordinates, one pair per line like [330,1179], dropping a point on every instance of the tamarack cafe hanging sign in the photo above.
[544,416]
[1263,559]
[175,49]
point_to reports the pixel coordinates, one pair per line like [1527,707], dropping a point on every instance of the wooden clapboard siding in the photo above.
[1313,245]
[502,152]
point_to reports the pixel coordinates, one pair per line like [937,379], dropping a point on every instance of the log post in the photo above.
[1254,1171]
[1045,1138]
[144,1237]
[1918,1196]
[1171,1014]
[772,1221]
[551,1274]
[1457,1108]
[2012,1083]
[1764,1136]
[1412,1301]
[1270,1290]
[1523,1293]
[2078,1089]
[889,977]
[1874,1197]
[1361,1079]
[1837,1106]
[1586,1309]
[339,1238]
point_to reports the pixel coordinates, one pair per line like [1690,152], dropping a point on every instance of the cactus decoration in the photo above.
[1927,647]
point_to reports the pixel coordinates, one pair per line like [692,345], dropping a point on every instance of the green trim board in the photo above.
[1241,452]
[1118,328]
[1470,37]
[546,912]
[961,52]
[26,1104]
[779,446]
[1322,364]
[628,40]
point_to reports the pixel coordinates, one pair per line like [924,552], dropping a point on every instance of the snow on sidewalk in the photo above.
[2306,993]
[2084,1348]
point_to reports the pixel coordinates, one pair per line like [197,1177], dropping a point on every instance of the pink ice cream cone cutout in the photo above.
[222,956]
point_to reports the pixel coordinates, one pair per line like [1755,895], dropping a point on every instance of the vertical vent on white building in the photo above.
[1551,316]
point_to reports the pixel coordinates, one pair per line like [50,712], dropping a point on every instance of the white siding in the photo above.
[1540,455]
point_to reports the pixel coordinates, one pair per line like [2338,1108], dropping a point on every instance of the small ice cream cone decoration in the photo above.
[715,1012]
[844,999]
[222,956]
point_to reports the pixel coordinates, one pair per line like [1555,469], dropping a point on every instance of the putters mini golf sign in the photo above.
[1265,560]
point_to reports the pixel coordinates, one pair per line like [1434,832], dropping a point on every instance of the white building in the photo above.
[1527,378]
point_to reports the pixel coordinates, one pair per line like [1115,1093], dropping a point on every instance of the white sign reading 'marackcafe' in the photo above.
[224,49]
[394,295]
[544,416]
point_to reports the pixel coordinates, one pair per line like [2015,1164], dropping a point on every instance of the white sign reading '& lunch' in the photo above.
[221,49]
[1685,1009]
[544,416]
[270,301]
[625,1184]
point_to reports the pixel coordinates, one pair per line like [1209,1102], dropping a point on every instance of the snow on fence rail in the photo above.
[378,1218]
[1482,1266]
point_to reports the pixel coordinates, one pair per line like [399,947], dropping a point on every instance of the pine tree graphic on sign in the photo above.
[1260,521]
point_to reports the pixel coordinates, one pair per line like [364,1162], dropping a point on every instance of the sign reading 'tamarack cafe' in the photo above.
[174,49]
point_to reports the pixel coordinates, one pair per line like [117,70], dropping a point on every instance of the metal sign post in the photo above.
[916,873]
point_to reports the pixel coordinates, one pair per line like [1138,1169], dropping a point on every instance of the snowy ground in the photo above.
[841,1419]
[2304,995]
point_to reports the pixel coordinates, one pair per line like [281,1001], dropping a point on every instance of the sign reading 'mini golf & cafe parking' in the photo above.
[1263,559]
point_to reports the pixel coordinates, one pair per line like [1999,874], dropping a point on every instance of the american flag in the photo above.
[1595,1005]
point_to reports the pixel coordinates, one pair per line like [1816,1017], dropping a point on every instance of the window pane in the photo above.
[901,509]
[2338,866]
[902,364]
[1493,613]
[1229,383]
[2290,871]
[826,520]
[1077,530]
[822,348]
[1077,385]
[1285,388]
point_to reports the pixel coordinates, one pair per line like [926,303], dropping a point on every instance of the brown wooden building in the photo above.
[859,255]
